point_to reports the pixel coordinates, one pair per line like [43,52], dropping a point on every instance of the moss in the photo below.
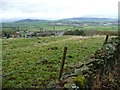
[80,81]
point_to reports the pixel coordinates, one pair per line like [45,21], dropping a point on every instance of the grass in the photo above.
[101,28]
[33,62]
[36,26]
[59,28]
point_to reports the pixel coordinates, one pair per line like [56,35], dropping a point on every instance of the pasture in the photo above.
[34,62]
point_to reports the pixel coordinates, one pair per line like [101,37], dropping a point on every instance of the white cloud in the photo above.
[55,9]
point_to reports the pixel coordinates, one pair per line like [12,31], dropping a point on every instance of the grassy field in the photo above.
[101,28]
[47,26]
[33,62]
[98,28]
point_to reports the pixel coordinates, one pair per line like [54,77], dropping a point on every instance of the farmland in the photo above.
[48,26]
[38,28]
[32,50]
[34,62]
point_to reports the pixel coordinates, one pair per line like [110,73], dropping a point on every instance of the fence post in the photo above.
[106,39]
[62,63]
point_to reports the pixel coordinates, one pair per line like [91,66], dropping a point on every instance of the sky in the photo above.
[57,9]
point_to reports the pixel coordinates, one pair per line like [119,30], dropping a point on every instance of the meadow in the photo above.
[34,62]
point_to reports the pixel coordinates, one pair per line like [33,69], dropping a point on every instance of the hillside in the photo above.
[30,20]
[85,19]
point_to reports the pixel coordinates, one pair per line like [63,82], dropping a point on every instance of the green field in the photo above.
[96,28]
[59,28]
[65,25]
[34,62]
[102,28]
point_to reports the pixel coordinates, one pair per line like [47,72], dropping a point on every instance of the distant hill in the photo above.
[77,19]
[31,20]
[70,20]
[88,19]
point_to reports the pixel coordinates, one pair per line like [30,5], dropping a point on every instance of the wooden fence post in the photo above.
[106,39]
[62,63]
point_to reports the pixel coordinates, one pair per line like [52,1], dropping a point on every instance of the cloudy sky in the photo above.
[57,9]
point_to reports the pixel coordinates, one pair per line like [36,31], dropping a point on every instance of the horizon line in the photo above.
[51,19]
